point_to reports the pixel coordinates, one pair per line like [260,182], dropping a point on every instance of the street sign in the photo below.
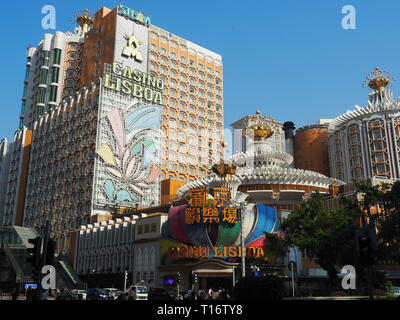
[31,285]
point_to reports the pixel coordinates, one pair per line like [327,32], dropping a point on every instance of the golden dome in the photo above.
[84,18]
[260,126]
[378,80]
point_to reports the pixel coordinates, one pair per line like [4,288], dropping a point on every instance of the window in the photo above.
[153,46]
[183,59]
[354,150]
[163,51]
[191,62]
[153,227]
[45,57]
[43,76]
[146,228]
[54,74]
[53,93]
[377,134]
[140,229]
[57,56]
[378,145]
[200,66]
[380,168]
[379,157]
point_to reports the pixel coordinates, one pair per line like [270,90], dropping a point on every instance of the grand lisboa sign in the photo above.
[218,237]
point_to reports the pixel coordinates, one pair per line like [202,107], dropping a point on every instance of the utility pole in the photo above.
[241,206]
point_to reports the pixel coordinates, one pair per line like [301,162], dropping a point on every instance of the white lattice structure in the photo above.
[365,142]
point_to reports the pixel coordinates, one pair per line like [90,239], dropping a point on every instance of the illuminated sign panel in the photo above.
[220,252]
[134,15]
[202,212]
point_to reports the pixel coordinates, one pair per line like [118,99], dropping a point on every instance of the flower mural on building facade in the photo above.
[130,155]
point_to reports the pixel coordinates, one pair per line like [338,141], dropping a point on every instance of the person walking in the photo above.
[14,294]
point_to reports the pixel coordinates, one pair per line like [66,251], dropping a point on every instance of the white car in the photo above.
[78,292]
[396,291]
[112,292]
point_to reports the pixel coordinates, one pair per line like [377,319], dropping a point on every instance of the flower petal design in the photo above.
[109,188]
[125,159]
[123,195]
[114,172]
[130,167]
[155,171]
[114,116]
[142,185]
[137,189]
[106,153]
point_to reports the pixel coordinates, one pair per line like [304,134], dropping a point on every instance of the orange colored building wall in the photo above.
[311,150]
[23,178]
[106,19]
[169,187]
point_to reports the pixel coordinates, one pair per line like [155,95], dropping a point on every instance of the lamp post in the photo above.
[240,204]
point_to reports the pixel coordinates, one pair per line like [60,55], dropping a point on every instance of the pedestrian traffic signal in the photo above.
[51,247]
[33,257]
[365,249]
[178,277]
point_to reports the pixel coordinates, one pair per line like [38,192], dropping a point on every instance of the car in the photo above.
[113,292]
[396,291]
[138,292]
[79,294]
[97,294]
[65,295]
[159,294]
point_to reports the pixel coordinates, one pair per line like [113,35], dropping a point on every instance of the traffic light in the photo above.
[195,278]
[51,248]
[34,257]
[365,248]
[178,277]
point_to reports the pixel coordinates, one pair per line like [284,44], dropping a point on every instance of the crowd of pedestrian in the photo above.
[201,294]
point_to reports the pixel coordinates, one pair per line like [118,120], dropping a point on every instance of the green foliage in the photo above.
[275,248]
[387,198]
[390,288]
[326,235]
[259,288]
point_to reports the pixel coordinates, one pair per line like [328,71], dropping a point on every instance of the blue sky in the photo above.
[290,59]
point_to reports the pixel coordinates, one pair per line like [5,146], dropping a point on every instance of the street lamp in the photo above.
[240,204]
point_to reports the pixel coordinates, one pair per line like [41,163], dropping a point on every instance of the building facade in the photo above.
[311,147]
[108,112]
[365,142]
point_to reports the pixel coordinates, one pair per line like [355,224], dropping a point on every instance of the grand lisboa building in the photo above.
[365,142]
[263,183]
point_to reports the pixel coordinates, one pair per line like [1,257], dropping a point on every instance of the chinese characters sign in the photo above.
[203,210]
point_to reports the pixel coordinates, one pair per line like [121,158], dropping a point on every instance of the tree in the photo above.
[326,235]
[381,205]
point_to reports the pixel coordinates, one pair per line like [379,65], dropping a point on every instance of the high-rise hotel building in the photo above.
[108,112]
[364,143]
